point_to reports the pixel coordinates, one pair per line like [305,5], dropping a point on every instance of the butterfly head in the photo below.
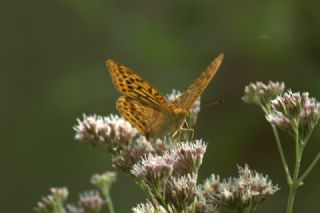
[180,114]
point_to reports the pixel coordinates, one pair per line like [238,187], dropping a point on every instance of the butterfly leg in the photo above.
[187,130]
[178,135]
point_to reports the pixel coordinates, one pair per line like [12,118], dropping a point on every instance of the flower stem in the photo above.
[250,209]
[291,199]
[309,169]
[194,206]
[267,110]
[295,184]
[109,204]
[146,189]
[282,156]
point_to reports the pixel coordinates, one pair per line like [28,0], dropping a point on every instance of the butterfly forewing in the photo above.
[132,85]
[187,99]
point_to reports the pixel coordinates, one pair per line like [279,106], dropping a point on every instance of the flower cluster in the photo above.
[261,94]
[148,208]
[126,157]
[104,181]
[89,201]
[184,158]
[115,135]
[113,131]
[295,113]
[181,191]
[291,112]
[183,194]
[171,177]
[246,191]
[53,203]
[154,168]
[166,169]
[188,156]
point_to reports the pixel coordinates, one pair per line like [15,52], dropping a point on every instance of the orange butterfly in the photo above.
[148,110]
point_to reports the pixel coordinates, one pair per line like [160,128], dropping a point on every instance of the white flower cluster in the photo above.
[153,168]
[295,111]
[261,94]
[148,208]
[248,189]
[53,202]
[97,129]
[184,158]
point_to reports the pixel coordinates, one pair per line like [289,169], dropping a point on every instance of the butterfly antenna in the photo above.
[221,101]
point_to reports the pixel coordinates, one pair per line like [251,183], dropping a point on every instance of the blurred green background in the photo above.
[53,69]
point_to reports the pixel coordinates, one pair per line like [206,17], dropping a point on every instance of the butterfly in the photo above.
[147,109]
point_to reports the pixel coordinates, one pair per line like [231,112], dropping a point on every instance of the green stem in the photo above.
[109,203]
[250,208]
[295,184]
[160,196]
[146,189]
[282,156]
[267,110]
[309,169]
[194,205]
[291,199]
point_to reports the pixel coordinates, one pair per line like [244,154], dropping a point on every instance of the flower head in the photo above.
[261,94]
[295,112]
[210,186]
[181,191]
[279,120]
[309,116]
[148,208]
[87,129]
[290,104]
[154,168]
[53,202]
[112,131]
[91,201]
[132,153]
[104,181]
[188,156]
[203,206]
[255,183]
[248,189]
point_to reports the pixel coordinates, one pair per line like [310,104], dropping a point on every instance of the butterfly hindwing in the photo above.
[146,117]
[132,85]
[187,99]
